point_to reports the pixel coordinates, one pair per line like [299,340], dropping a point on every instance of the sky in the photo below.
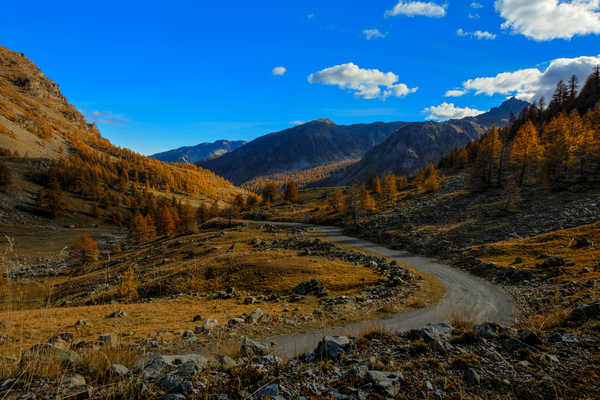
[160,75]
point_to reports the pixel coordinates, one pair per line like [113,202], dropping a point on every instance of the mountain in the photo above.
[193,154]
[47,144]
[302,147]
[415,145]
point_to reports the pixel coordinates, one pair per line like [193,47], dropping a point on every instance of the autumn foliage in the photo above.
[84,250]
[129,286]
[555,147]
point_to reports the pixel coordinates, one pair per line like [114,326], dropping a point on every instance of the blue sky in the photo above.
[159,75]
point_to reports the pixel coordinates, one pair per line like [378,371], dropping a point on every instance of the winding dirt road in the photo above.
[464,295]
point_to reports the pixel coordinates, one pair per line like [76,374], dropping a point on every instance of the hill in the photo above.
[193,154]
[415,145]
[55,164]
[301,147]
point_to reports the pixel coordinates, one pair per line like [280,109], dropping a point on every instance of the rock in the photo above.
[250,348]
[557,337]
[472,376]
[254,316]
[67,337]
[47,354]
[429,333]
[233,322]
[584,312]
[82,323]
[513,345]
[118,314]
[387,381]
[530,337]
[490,330]
[518,260]
[227,363]
[188,369]
[173,396]
[311,287]
[552,262]
[75,380]
[208,326]
[109,339]
[269,391]
[249,300]
[119,370]
[332,346]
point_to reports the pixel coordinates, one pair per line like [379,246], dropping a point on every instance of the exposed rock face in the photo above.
[305,146]
[200,152]
[415,145]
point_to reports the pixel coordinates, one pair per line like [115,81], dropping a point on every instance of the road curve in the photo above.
[465,295]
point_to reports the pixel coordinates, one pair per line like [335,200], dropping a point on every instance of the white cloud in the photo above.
[474,16]
[550,19]
[373,34]
[310,16]
[531,83]
[365,83]
[477,34]
[455,93]
[279,71]
[104,117]
[297,122]
[447,111]
[476,4]
[417,8]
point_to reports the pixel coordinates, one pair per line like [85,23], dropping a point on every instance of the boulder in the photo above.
[109,339]
[530,337]
[254,316]
[250,348]
[386,381]
[332,347]
[472,376]
[119,370]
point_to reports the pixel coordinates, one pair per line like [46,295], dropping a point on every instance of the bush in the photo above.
[84,250]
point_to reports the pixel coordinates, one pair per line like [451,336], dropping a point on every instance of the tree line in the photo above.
[555,146]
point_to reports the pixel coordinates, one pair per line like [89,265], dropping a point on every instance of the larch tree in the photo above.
[389,191]
[84,250]
[290,194]
[525,154]
[129,287]
[165,224]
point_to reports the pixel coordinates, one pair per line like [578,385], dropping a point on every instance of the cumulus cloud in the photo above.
[373,34]
[447,111]
[417,8]
[531,83]
[476,4]
[365,83]
[477,34]
[455,93]
[279,71]
[550,19]
[104,117]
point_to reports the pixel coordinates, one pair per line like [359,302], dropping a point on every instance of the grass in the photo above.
[178,266]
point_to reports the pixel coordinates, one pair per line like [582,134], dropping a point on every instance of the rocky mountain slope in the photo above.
[193,154]
[301,147]
[42,134]
[415,145]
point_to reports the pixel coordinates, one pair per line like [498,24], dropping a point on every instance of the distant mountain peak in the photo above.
[322,121]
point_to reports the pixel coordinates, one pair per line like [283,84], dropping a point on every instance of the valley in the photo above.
[452,259]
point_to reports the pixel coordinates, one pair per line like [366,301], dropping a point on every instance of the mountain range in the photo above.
[399,147]
[202,151]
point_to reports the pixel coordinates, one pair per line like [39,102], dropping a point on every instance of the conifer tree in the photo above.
[335,200]
[187,219]
[291,192]
[390,189]
[270,193]
[138,228]
[129,287]
[165,225]
[203,213]
[525,154]
[367,203]
[84,250]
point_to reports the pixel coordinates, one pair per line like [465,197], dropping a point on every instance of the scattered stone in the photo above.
[388,382]
[332,347]
[118,314]
[251,348]
[119,370]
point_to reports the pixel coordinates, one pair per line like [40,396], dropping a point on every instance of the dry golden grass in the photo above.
[179,265]
[560,243]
